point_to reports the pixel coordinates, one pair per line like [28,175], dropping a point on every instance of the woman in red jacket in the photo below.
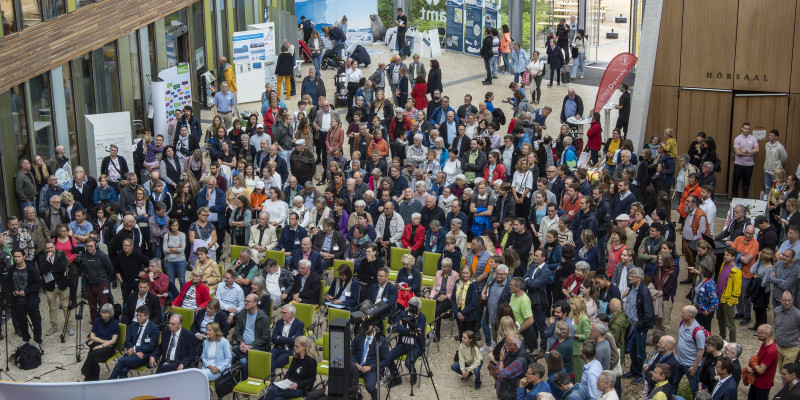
[414,236]
[594,138]
[194,295]
[271,115]
[494,169]
[419,93]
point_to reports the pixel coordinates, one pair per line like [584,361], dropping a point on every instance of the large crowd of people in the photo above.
[552,271]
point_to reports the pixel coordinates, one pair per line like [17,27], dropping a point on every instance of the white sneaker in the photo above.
[486,349]
[51,331]
[71,331]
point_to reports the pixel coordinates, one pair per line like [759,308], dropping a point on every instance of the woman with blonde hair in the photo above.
[511,259]
[506,326]
[217,356]
[465,304]
[302,372]
[196,166]
[583,328]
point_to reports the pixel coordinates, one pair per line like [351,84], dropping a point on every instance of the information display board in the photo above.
[454,31]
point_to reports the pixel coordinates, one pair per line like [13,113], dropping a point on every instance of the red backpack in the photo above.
[697,329]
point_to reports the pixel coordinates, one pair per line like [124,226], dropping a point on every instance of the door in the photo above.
[764,112]
[706,111]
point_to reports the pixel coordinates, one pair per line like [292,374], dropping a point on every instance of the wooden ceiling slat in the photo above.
[39,49]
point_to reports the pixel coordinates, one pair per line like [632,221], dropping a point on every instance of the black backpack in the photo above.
[499,117]
[27,357]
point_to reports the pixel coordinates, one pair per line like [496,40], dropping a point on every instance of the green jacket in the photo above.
[583,330]
[262,334]
[618,326]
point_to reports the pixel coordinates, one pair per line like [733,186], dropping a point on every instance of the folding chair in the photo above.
[333,313]
[305,313]
[396,261]
[235,251]
[119,346]
[430,265]
[258,366]
[188,316]
[277,255]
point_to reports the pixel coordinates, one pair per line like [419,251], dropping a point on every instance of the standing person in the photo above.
[775,158]
[729,288]
[26,283]
[536,71]
[226,75]
[97,270]
[787,329]
[745,147]
[555,58]
[690,349]
[401,22]
[563,35]
[283,70]
[505,49]
[317,47]
[487,55]
[641,303]
[225,103]
[52,264]
[766,364]
[518,59]
[25,184]
[624,107]
[579,63]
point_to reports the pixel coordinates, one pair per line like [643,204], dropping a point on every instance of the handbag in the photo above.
[526,78]
[574,51]
[225,383]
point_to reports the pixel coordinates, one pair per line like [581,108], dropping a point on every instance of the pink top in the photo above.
[66,247]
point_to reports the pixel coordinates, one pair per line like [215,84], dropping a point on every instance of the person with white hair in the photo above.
[414,236]
[307,284]
[263,237]
[605,384]
[299,207]
[416,153]
[410,343]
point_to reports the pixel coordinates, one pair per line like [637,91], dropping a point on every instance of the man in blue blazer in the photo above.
[140,342]
[286,330]
[726,388]
[305,252]
[410,342]
[537,280]
[177,350]
[214,198]
[364,356]
[384,291]
[291,236]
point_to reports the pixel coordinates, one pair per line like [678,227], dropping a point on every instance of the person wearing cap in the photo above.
[258,197]
[302,162]
[623,222]
[767,233]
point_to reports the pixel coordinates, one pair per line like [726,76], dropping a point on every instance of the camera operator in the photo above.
[410,342]
[97,270]
[52,265]
[26,282]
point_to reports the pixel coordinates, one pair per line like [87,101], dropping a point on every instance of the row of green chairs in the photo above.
[277,255]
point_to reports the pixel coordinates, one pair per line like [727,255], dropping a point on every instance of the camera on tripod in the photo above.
[411,317]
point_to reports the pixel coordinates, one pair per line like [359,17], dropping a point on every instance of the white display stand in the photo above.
[250,80]
[104,130]
[433,43]
[171,92]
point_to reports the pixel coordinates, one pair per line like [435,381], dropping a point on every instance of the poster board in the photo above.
[171,92]
[248,47]
[104,130]
[473,27]
[490,17]
[454,31]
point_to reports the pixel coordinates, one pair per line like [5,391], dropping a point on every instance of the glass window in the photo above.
[52,8]
[106,78]
[83,3]
[9,17]
[31,13]
[72,127]
[43,140]
[198,37]
[136,76]
[19,117]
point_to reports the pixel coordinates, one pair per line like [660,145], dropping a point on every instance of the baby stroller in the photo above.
[330,59]
[304,51]
[341,89]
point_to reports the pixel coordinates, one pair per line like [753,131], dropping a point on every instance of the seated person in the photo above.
[409,342]
[252,330]
[103,337]
[362,219]
[194,294]
[306,252]
[142,297]
[140,342]
[262,237]
[211,314]
[287,329]
[302,372]
[329,243]
[344,291]
[384,291]
[217,355]
[306,284]
[177,349]
[291,235]
[364,357]
[230,296]
[246,269]
[408,279]
[259,288]
[278,281]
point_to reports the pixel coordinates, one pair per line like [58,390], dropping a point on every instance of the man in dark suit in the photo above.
[460,143]
[364,356]
[307,284]
[537,280]
[726,388]
[286,330]
[666,350]
[329,244]
[140,342]
[306,252]
[291,235]
[384,291]
[410,343]
[142,297]
[554,184]
[177,349]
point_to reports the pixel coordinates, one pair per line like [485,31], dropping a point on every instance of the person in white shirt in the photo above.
[535,69]
[263,237]
[708,207]
[230,296]
[605,384]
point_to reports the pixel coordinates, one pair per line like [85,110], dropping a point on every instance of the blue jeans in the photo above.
[579,65]
[679,373]
[317,60]
[457,369]
[158,250]
[768,179]
[493,65]
[125,364]
[638,352]
[517,77]
[487,64]
[276,393]
[176,269]
[506,67]
[487,327]
[285,156]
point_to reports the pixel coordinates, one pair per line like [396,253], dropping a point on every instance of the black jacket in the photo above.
[320,85]
[486,47]
[218,318]
[434,80]
[58,268]
[310,292]
[97,268]
[578,103]
[185,352]
[509,209]
[150,300]
[303,372]
[644,308]
[106,164]
[284,67]
[32,287]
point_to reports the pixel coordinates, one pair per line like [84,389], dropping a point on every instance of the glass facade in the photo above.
[42,140]
[8,16]
[69,105]
[106,79]
[19,117]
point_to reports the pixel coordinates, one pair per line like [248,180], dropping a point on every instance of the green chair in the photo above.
[305,313]
[277,255]
[221,271]
[430,265]
[333,313]
[188,316]
[337,263]
[429,310]
[235,251]
[119,345]
[258,366]
[323,366]
[396,261]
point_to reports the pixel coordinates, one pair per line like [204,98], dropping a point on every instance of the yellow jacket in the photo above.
[230,78]
[671,147]
[733,289]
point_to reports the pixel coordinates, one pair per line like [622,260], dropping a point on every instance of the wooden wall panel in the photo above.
[668,54]
[706,111]
[771,41]
[45,46]
[708,43]
[663,111]
[792,134]
[795,84]
[763,113]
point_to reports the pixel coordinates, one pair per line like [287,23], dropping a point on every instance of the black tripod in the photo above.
[5,288]
[420,375]
[78,321]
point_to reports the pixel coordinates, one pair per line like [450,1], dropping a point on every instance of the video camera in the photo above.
[411,317]
[370,314]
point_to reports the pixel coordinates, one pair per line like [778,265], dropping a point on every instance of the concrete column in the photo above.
[640,104]
[59,110]
[515,19]
[399,4]
[533,29]
[583,13]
